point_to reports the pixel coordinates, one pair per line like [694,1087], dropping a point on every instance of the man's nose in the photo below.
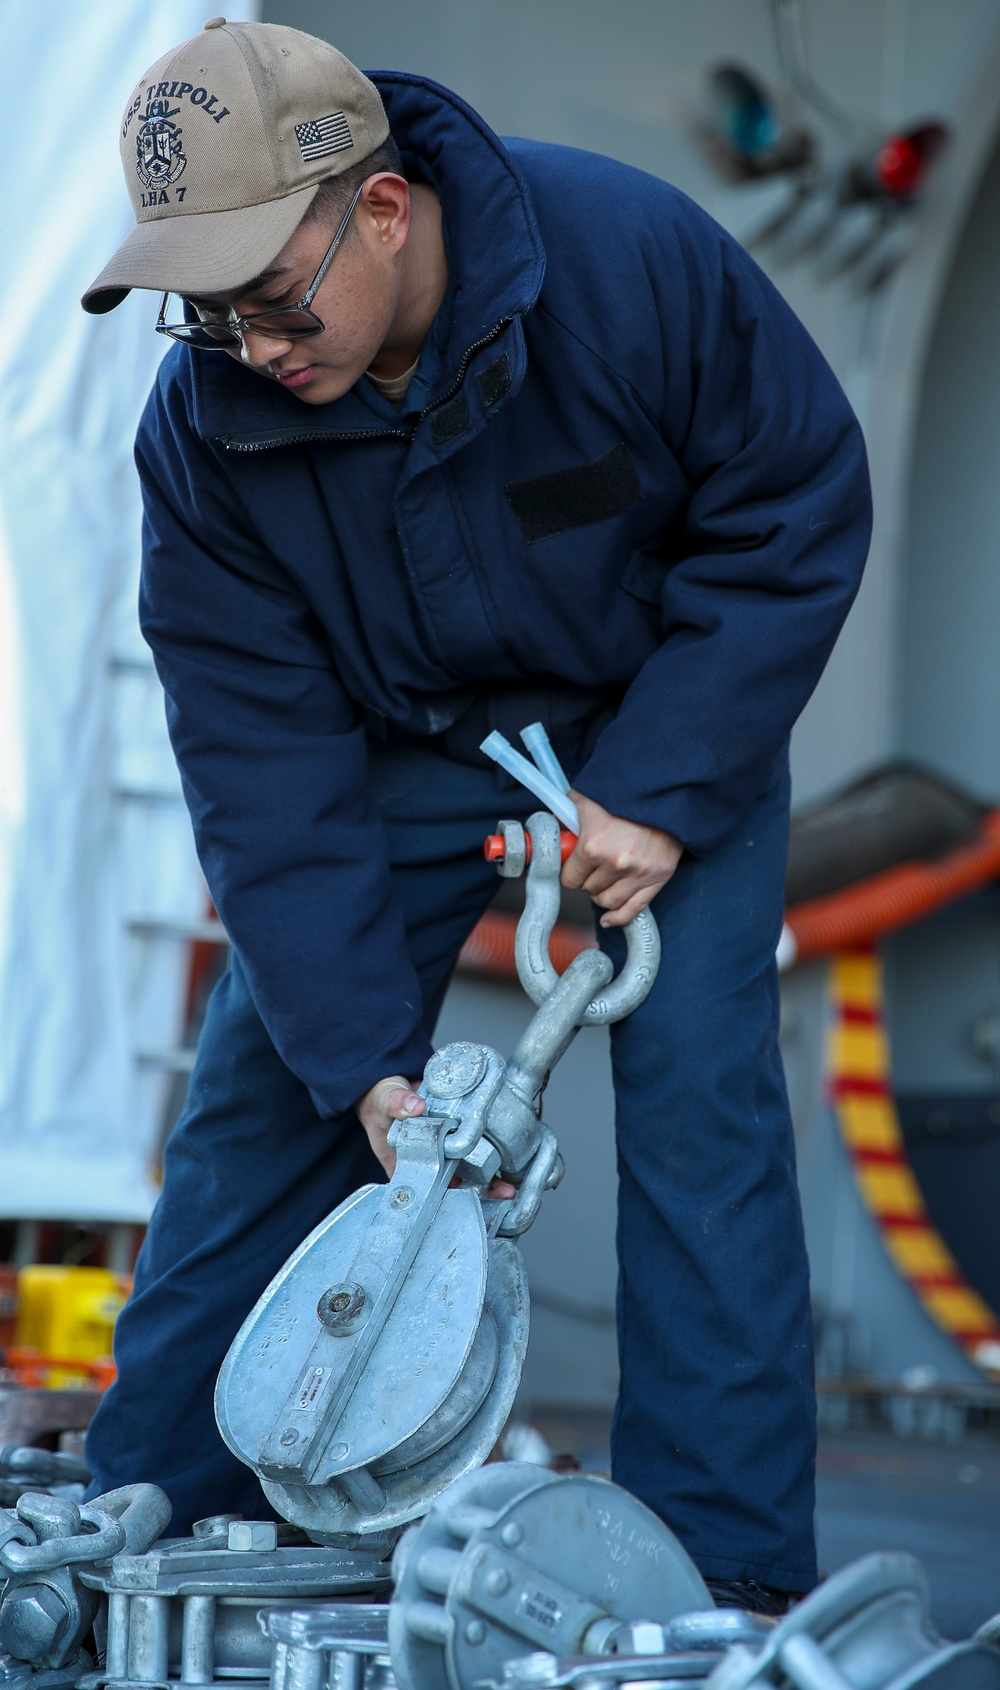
[258,350]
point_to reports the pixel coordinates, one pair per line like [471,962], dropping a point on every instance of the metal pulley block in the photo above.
[382,1362]
[329,1646]
[353,1426]
[187,1611]
[514,1559]
[866,1628]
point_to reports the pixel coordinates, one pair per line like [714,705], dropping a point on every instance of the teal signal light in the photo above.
[746,117]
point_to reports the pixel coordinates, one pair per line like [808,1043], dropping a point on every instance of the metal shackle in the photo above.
[541,911]
[61,1542]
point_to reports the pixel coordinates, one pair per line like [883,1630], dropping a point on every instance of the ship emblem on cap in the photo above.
[161,158]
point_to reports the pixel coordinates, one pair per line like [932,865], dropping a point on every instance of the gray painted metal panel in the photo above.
[916,663]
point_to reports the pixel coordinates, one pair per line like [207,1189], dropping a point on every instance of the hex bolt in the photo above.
[498,1581]
[512,1534]
[475,1632]
[253,1536]
[213,1525]
[31,1617]
[402,1198]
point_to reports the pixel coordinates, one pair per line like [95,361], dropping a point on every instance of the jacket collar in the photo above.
[495,258]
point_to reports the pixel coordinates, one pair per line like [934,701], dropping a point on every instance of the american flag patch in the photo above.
[323,135]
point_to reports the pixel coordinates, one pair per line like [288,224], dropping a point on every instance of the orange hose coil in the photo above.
[489,948]
[857,915]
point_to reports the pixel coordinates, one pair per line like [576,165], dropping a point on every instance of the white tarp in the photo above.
[87,848]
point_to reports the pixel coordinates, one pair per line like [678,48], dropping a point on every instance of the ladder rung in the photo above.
[188,932]
[148,795]
[167,1061]
[132,666]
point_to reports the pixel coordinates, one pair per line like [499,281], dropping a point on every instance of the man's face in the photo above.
[358,300]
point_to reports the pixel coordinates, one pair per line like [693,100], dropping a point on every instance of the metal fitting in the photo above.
[34,1619]
[342,1308]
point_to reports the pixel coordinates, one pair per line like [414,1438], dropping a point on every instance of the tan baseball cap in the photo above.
[224,144]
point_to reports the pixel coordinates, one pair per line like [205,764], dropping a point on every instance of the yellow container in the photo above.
[68,1313]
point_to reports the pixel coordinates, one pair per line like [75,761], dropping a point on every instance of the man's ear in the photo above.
[384,209]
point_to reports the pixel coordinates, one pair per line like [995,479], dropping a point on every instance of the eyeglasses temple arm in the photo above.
[307,298]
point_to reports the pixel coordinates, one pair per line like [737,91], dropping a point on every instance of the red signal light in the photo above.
[903,161]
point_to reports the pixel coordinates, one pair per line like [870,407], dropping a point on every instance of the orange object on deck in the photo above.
[65,1323]
[33,1369]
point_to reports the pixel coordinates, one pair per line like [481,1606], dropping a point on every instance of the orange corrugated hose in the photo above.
[489,948]
[858,915]
[868,910]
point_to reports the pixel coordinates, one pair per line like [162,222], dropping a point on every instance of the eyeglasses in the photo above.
[292,322]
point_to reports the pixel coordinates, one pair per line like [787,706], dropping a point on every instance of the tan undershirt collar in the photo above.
[394,389]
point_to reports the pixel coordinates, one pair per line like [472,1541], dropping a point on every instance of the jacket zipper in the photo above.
[233,445]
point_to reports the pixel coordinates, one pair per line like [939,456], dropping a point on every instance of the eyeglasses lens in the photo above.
[222,335]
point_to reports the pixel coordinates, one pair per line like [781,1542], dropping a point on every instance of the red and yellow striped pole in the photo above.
[859,1072]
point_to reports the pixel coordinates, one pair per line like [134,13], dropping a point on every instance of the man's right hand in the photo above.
[388,1100]
[395,1099]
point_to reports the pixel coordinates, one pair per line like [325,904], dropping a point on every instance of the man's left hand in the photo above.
[621,864]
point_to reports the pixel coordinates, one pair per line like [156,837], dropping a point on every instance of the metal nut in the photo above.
[253,1536]
[31,1618]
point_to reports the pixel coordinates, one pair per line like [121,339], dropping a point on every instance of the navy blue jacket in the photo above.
[635,473]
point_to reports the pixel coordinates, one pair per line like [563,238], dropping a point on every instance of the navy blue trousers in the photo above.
[715,1425]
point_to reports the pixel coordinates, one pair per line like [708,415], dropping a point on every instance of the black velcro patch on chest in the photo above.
[450,420]
[495,380]
[572,498]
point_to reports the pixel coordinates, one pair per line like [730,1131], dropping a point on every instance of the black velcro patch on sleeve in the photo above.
[450,420]
[572,498]
[495,380]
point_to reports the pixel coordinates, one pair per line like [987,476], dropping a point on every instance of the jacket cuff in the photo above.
[696,815]
[342,1093]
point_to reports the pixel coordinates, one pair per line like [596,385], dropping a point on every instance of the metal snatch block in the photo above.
[186,1612]
[337,1454]
[329,1646]
[866,1628]
[514,1559]
[381,1363]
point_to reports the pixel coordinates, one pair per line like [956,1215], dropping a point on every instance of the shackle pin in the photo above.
[495,846]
